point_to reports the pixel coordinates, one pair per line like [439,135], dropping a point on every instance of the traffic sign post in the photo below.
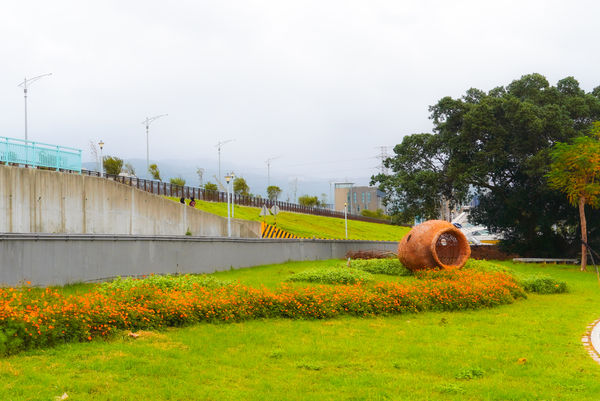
[264,212]
[275,212]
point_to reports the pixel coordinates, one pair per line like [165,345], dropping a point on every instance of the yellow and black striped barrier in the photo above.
[269,231]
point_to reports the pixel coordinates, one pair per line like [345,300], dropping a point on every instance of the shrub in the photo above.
[180,282]
[310,201]
[211,186]
[154,171]
[177,181]
[336,275]
[469,374]
[485,266]
[112,165]
[391,267]
[379,214]
[543,285]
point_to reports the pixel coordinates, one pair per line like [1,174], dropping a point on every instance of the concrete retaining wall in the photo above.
[60,259]
[42,201]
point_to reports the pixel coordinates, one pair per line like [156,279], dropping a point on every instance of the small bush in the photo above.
[183,282]
[379,214]
[336,275]
[276,354]
[391,267]
[469,374]
[543,285]
[309,366]
[451,388]
[485,266]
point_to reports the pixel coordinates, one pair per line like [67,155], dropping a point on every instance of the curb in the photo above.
[591,340]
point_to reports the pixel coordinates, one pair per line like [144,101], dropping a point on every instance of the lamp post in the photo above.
[232,195]
[24,85]
[346,218]
[147,122]
[101,144]
[218,146]
[227,179]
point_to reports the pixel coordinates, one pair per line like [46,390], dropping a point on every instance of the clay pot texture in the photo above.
[434,244]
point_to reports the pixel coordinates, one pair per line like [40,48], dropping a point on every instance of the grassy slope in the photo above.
[306,225]
[408,357]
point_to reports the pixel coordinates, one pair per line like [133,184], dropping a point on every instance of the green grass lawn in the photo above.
[307,225]
[427,356]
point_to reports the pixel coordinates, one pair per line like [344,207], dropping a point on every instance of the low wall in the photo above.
[46,259]
[43,201]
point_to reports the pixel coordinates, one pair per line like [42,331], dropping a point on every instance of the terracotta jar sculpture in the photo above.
[434,243]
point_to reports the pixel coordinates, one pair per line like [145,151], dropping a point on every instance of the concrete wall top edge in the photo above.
[185,238]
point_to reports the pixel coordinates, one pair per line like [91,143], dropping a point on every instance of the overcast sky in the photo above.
[322,84]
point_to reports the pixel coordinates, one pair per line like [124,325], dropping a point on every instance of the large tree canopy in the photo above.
[495,145]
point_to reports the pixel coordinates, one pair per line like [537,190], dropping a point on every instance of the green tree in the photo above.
[210,186]
[420,182]
[177,181]
[495,146]
[575,171]
[129,169]
[154,172]
[112,165]
[240,187]
[307,200]
[273,192]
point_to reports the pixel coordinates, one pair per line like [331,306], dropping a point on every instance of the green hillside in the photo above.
[307,225]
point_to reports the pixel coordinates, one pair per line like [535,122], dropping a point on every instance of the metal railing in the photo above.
[167,189]
[38,154]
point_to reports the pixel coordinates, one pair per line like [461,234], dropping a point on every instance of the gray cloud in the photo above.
[322,83]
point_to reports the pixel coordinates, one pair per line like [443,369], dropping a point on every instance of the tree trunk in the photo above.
[583,233]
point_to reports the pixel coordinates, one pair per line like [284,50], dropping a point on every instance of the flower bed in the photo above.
[45,317]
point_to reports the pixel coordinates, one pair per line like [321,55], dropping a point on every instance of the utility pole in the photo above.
[24,85]
[147,122]
[232,195]
[218,146]
[268,161]
[295,186]
[227,179]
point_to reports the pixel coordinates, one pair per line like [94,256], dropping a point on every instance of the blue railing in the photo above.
[37,154]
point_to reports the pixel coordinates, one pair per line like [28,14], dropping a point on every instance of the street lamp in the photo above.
[24,85]
[227,179]
[218,146]
[232,195]
[346,218]
[147,122]
[101,144]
